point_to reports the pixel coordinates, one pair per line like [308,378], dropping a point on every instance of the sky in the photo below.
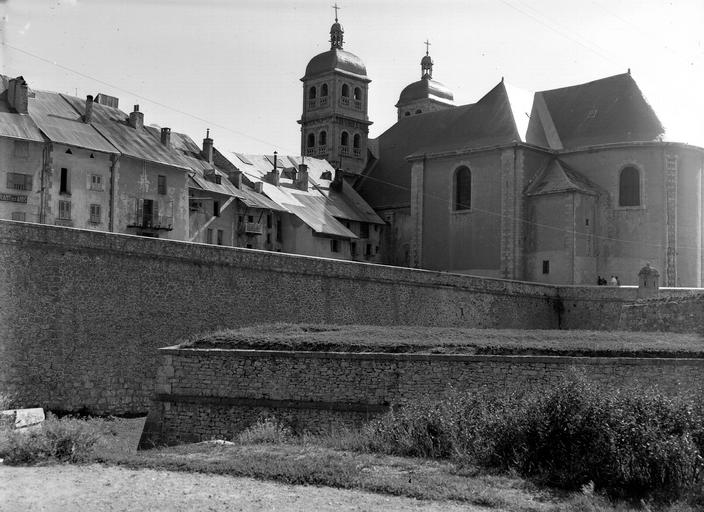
[234,66]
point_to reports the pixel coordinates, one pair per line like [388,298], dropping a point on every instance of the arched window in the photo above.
[407,113]
[324,90]
[419,111]
[357,93]
[323,138]
[356,140]
[345,139]
[345,91]
[311,93]
[463,189]
[629,187]
[311,140]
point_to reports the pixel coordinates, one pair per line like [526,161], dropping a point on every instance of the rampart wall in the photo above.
[83,312]
[206,393]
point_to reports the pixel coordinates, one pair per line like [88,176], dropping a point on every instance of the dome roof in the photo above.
[423,89]
[336,60]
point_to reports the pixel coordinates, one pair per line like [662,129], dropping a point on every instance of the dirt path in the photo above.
[96,487]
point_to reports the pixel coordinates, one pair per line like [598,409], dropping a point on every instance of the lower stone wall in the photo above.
[668,314]
[206,393]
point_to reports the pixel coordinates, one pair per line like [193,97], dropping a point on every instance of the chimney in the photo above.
[207,152]
[236,179]
[136,118]
[302,178]
[18,95]
[273,175]
[88,115]
[258,187]
[166,136]
[336,183]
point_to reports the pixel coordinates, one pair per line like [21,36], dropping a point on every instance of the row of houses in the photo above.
[87,164]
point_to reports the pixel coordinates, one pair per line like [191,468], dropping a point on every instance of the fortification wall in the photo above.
[82,312]
[206,393]
[673,314]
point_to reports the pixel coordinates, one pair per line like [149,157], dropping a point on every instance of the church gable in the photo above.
[556,177]
[604,111]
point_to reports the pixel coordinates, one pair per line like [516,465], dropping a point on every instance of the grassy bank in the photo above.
[365,338]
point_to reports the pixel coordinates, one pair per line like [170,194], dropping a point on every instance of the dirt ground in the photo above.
[97,487]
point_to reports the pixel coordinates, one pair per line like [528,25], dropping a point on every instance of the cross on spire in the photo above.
[427,47]
[336,7]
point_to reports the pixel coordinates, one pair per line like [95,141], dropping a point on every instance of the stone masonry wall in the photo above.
[82,312]
[673,314]
[206,393]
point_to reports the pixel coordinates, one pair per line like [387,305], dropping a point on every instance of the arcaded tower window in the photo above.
[311,93]
[345,91]
[323,138]
[356,140]
[463,189]
[345,139]
[324,90]
[311,140]
[358,93]
[629,187]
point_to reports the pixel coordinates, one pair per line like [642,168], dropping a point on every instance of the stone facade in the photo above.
[207,393]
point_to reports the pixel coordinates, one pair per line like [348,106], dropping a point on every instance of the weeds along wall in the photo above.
[83,312]
[207,393]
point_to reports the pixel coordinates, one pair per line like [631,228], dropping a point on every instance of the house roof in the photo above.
[62,124]
[604,111]
[557,177]
[12,124]
[137,143]
[489,122]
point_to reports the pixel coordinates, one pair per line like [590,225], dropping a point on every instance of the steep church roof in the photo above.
[489,122]
[604,111]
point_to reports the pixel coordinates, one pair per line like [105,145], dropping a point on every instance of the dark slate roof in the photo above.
[12,124]
[489,122]
[604,111]
[61,123]
[557,177]
[423,89]
[336,60]
[137,143]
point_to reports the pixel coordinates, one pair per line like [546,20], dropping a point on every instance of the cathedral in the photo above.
[590,188]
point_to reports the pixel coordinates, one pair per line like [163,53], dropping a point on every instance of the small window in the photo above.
[368,250]
[463,189]
[21,149]
[586,222]
[249,246]
[363,230]
[19,216]
[324,90]
[268,238]
[208,236]
[96,182]
[161,184]
[250,218]
[345,139]
[221,236]
[64,183]
[311,93]
[345,91]
[19,181]
[216,208]
[311,140]
[65,210]
[323,138]
[357,93]
[629,187]
[546,266]
[334,245]
[268,221]
[419,111]
[356,141]
[95,214]
[407,114]
[279,232]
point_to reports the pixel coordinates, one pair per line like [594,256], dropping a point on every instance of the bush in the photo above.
[631,445]
[266,430]
[64,440]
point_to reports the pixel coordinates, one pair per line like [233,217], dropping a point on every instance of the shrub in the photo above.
[266,430]
[64,440]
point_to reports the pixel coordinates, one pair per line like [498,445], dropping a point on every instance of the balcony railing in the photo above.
[311,151]
[323,102]
[311,104]
[356,152]
[345,101]
[322,150]
[358,104]
[254,228]
[345,151]
[147,221]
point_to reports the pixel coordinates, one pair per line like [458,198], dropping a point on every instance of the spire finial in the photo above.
[207,133]
[336,7]
[426,63]
[336,32]
[427,47]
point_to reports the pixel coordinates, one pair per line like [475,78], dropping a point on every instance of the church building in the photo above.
[592,188]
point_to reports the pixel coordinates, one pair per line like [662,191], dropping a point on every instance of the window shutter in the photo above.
[155,214]
[139,212]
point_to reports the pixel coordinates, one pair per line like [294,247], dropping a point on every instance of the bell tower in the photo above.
[334,123]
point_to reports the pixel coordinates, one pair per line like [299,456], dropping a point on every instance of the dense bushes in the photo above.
[629,444]
[65,440]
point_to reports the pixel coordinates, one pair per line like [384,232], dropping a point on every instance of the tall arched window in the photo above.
[323,138]
[629,187]
[356,140]
[311,140]
[311,93]
[357,93]
[324,90]
[345,91]
[463,189]
[345,139]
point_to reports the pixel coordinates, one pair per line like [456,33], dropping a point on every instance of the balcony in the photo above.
[356,152]
[252,228]
[323,102]
[345,151]
[358,104]
[312,104]
[344,101]
[311,151]
[151,221]
[322,150]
